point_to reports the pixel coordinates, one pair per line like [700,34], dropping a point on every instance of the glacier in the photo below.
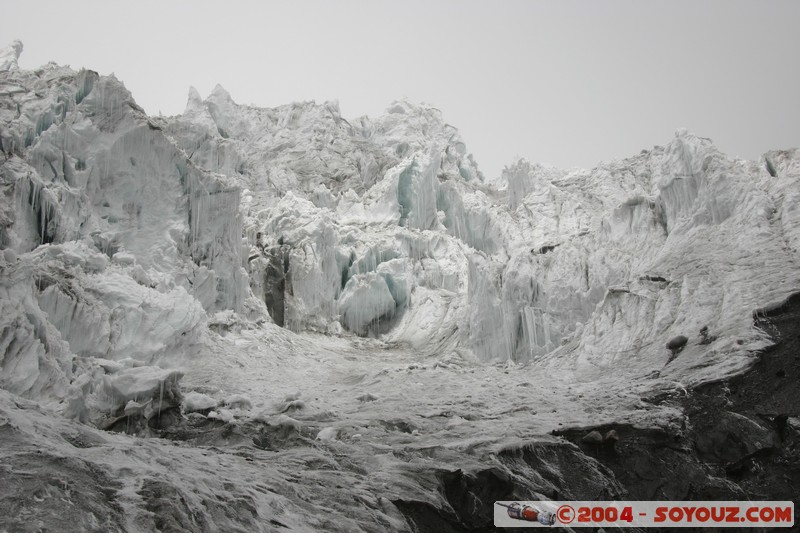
[282,290]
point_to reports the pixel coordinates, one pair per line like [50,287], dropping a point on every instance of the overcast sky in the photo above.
[567,83]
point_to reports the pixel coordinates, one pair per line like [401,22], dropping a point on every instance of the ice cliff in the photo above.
[205,268]
[115,245]
[123,233]
[385,226]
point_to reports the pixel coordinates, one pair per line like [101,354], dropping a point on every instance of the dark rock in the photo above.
[545,249]
[165,418]
[705,338]
[733,438]
[593,437]
[426,517]
[472,496]
[676,344]
[398,424]
[657,279]
[560,470]
[611,437]
[277,283]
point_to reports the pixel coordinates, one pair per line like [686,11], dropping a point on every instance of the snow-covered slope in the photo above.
[329,288]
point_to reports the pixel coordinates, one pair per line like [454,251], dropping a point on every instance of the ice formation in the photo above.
[115,244]
[246,250]
[366,221]
[378,226]
[9,56]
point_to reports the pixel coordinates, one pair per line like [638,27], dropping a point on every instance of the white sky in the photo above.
[567,83]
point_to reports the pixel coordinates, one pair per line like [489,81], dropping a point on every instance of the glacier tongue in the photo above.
[321,202]
[322,288]
[323,222]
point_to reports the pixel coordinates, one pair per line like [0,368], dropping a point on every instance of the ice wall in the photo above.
[637,251]
[115,245]
[533,260]
[326,199]
[35,359]
[85,162]
[126,232]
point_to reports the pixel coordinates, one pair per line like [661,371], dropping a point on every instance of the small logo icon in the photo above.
[517,511]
